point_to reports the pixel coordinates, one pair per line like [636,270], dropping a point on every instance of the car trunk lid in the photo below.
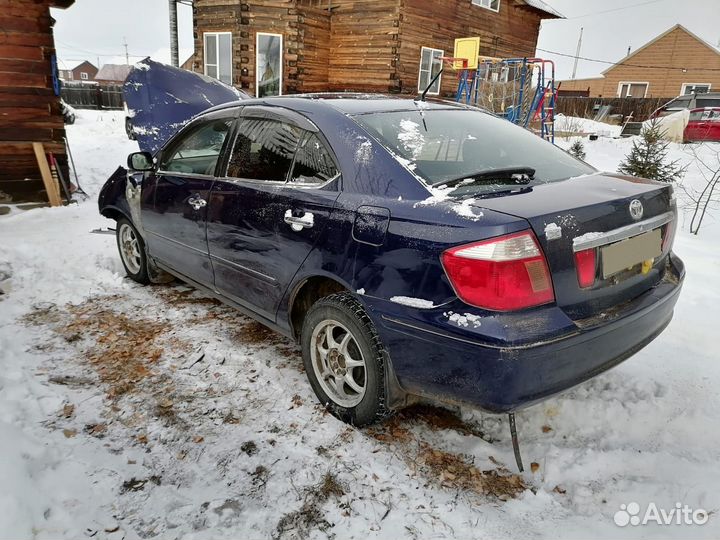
[593,213]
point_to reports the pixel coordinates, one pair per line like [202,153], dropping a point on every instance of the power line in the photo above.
[611,10]
[621,63]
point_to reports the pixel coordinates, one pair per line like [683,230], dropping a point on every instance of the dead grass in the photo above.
[310,517]
[447,469]
[454,471]
[121,350]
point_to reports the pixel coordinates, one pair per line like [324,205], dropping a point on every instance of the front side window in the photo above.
[487,4]
[268,64]
[631,89]
[430,65]
[445,144]
[263,150]
[694,88]
[197,151]
[83,76]
[313,162]
[218,56]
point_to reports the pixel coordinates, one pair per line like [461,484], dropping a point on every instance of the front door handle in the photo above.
[298,223]
[197,202]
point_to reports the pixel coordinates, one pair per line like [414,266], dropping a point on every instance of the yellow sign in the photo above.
[468,48]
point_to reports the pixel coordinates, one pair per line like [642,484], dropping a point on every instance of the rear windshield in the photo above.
[444,144]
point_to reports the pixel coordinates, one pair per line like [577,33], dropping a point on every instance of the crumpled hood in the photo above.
[161,99]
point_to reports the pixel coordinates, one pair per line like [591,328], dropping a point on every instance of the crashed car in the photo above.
[703,116]
[159,99]
[411,248]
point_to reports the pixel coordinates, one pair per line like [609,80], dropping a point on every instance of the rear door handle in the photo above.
[298,223]
[197,202]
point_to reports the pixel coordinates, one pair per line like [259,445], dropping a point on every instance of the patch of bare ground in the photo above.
[449,470]
[122,351]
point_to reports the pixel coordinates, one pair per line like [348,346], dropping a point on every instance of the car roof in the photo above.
[348,103]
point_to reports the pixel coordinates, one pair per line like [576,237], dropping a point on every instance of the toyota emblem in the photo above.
[636,209]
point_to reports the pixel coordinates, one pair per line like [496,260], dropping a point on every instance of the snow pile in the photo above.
[585,126]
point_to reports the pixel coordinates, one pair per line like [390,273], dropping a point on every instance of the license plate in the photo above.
[627,253]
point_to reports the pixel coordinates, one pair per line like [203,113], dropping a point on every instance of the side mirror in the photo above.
[140,161]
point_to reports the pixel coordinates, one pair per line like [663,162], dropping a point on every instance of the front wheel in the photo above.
[132,251]
[345,360]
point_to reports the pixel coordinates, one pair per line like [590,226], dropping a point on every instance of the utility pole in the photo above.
[577,53]
[127,56]
[174,56]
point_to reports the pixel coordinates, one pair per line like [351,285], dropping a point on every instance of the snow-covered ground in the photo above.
[143,412]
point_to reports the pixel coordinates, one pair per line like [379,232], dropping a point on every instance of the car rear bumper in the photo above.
[462,365]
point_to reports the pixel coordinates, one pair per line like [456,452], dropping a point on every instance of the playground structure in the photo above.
[521,90]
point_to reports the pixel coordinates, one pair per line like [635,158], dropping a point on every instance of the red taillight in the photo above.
[585,267]
[668,235]
[502,274]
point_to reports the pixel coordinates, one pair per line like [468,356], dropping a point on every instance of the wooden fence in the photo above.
[587,107]
[92,95]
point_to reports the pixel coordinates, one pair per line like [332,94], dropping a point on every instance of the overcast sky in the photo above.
[96,29]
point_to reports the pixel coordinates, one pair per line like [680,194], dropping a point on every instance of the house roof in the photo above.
[540,5]
[70,65]
[658,38]
[113,72]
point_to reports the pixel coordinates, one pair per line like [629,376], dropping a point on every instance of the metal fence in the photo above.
[587,107]
[92,95]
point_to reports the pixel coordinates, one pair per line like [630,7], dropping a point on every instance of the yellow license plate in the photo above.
[627,253]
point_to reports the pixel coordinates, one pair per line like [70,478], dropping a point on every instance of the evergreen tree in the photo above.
[648,157]
[577,149]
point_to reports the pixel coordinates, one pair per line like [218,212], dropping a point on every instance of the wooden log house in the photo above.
[357,45]
[29,104]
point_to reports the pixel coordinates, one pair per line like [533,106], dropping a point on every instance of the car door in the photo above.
[174,208]
[268,211]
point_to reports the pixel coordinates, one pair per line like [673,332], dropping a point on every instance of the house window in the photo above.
[430,65]
[487,4]
[694,88]
[633,89]
[218,56]
[83,76]
[268,64]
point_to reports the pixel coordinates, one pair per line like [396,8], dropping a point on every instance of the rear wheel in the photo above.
[132,251]
[345,360]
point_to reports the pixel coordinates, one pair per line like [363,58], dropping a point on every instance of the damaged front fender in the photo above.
[120,198]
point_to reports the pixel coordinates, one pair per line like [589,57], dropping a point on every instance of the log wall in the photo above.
[29,108]
[511,32]
[360,45]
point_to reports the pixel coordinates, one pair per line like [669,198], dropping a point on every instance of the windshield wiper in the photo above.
[509,175]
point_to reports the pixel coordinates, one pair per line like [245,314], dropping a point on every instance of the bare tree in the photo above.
[700,199]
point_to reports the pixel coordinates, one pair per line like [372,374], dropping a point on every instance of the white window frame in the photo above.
[622,83]
[486,4]
[685,85]
[282,60]
[84,76]
[420,70]
[217,54]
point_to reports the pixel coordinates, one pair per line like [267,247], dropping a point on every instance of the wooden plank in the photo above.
[53,190]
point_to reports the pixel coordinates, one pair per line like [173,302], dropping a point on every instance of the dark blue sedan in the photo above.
[412,248]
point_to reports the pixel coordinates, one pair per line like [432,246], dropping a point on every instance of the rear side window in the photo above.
[197,151]
[313,162]
[263,150]
[708,102]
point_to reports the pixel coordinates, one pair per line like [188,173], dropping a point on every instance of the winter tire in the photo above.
[345,360]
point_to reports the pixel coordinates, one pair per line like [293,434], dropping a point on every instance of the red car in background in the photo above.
[704,123]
